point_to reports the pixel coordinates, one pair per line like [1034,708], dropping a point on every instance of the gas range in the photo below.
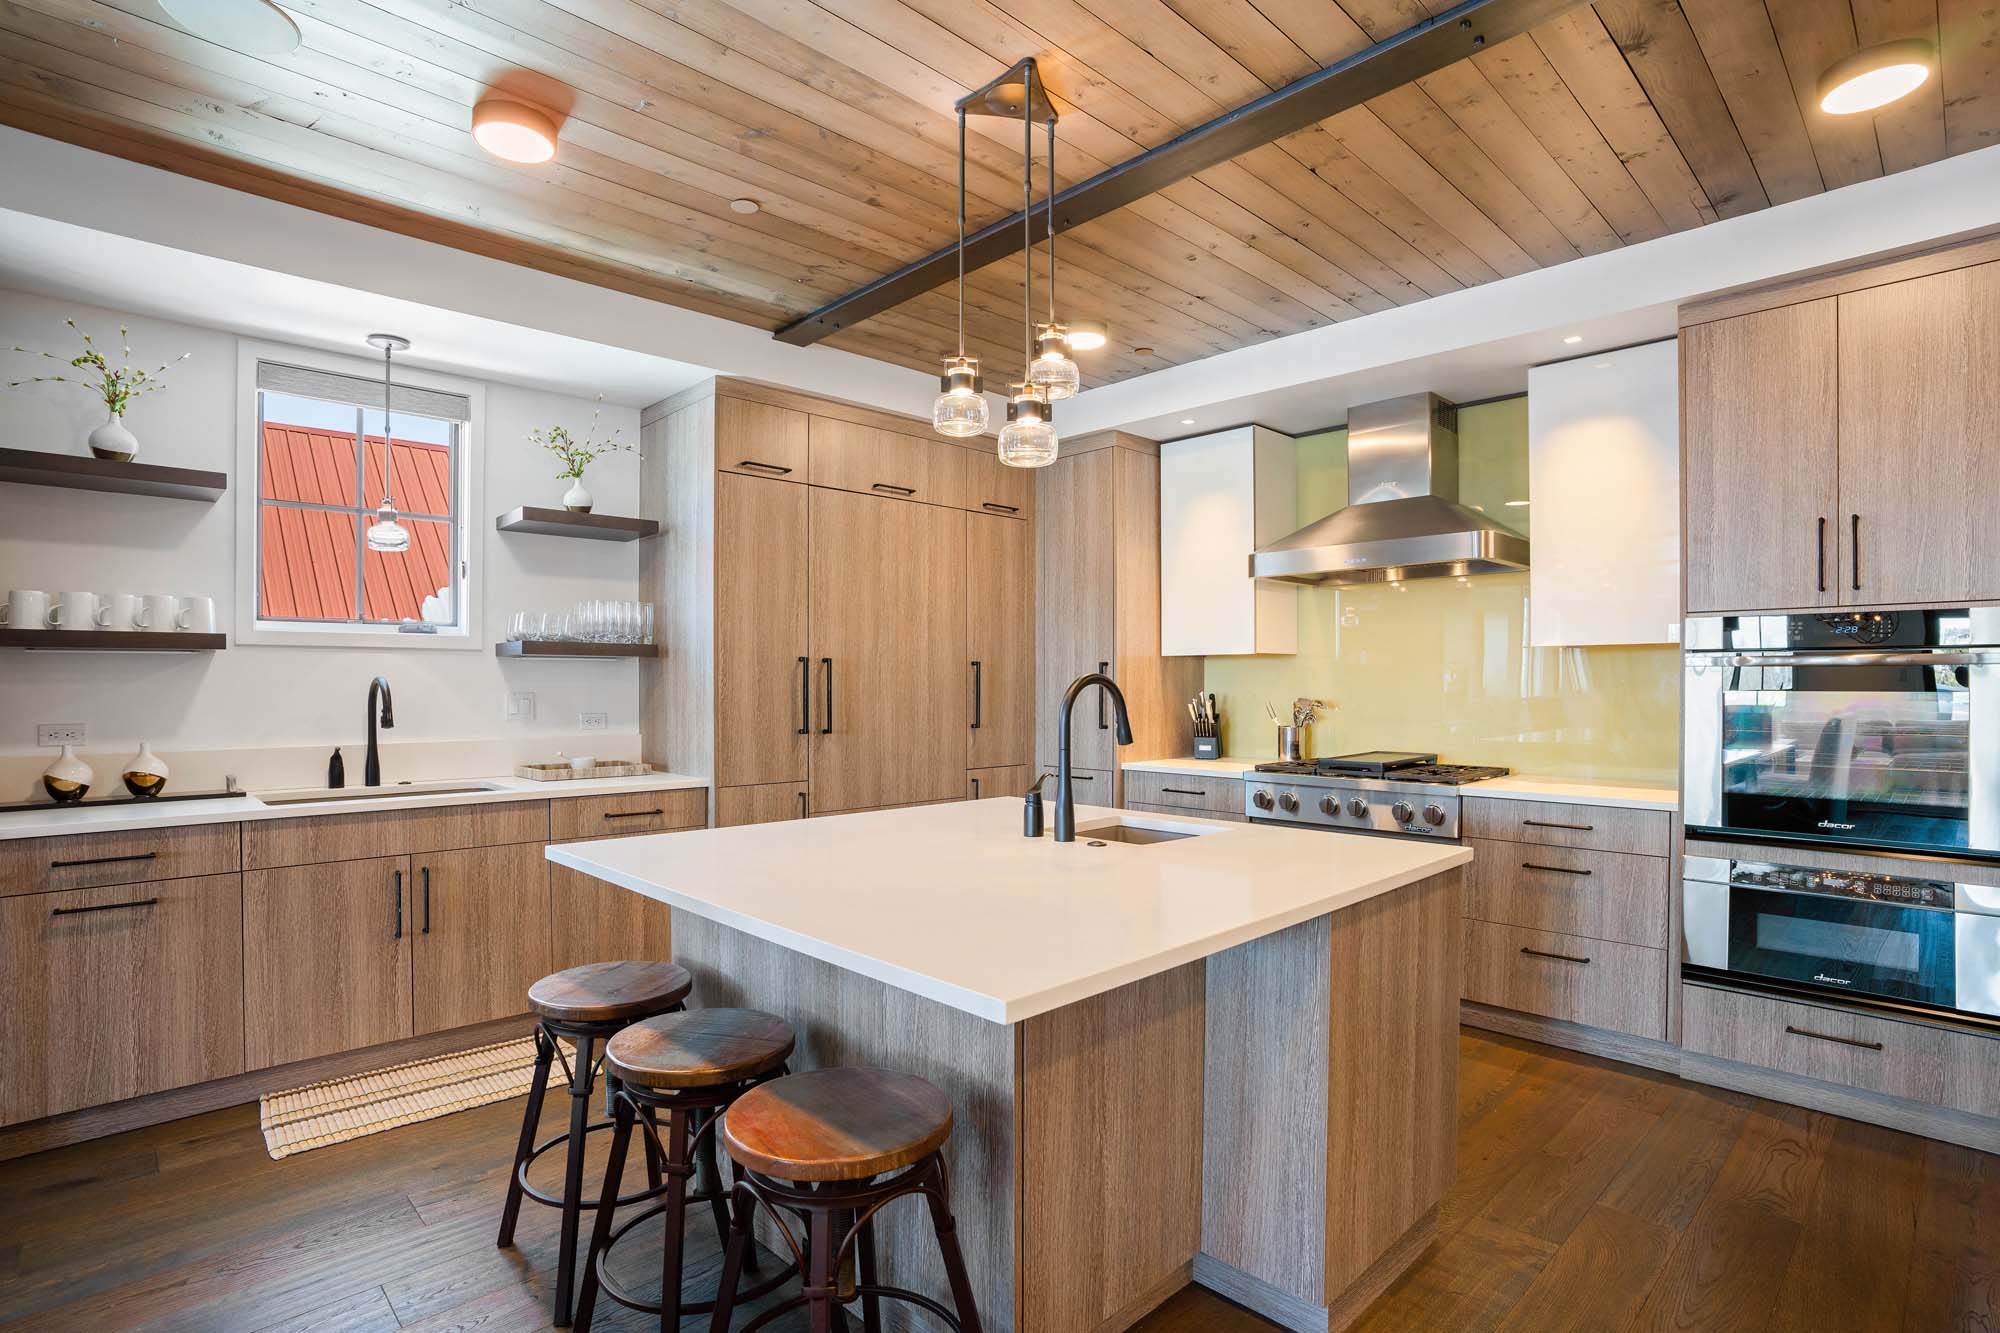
[1379,792]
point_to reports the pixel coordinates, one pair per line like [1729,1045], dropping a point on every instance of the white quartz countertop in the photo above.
[55,821]
[1513,787]
[952,903]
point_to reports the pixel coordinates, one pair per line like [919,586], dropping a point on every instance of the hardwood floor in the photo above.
[1590,1196]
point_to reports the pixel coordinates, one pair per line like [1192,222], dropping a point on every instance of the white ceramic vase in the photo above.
[145,773]
[577,499]
[112,440]
[68,778]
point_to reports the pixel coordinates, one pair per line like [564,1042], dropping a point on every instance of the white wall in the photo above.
[267,698]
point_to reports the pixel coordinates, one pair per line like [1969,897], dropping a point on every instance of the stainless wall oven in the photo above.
[1870,729]
[1931,945]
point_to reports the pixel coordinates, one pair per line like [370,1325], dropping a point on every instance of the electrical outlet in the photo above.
[60,733]
[521,706]
[592,721]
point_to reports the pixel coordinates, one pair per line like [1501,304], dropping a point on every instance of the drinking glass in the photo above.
[646,622]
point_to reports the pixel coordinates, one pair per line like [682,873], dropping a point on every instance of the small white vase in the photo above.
[68,778]
[145,773]
[112,440]
[576,499]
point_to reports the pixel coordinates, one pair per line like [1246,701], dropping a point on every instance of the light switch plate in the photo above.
[521,706]
[592,721]
[60,733]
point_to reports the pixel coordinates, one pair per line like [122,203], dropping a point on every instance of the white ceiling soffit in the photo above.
[1479,342]
[238,261]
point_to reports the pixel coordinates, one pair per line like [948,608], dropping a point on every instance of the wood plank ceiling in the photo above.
[1623,120]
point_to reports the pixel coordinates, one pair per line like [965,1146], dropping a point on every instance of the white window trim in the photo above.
[468,635]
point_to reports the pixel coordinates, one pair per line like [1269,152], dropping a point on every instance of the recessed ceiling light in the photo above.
[513,132]
[1187,421]
[1516,504]
[254,27]
[1876,76]
[1087,335]
[743,205]
[1573,339]
[1142,351]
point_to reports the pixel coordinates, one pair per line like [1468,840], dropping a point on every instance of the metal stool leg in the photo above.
[819,1282]
[607,1205]
[708,1172]
[572,1209]
[947,1238]
[871,1304]
[679,1169]
[545,1054]
[653,1160]
[732,1258]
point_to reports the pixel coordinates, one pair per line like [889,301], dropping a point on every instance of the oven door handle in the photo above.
[1861,659]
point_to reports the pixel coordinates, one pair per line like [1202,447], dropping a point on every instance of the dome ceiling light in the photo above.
[513,132]
[1875,76]
[1087,335]
[254,27]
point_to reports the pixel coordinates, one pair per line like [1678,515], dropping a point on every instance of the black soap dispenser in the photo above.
[1031,811]
[336,770]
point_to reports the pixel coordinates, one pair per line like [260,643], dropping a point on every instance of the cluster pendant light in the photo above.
[386,533]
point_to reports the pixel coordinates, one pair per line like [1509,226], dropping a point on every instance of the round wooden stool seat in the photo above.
[836,1124]
[609,992]
[703,1048]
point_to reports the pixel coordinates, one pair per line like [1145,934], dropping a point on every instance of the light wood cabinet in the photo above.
[118,991]
[1761,434]
[984,783]
[1597,828]
[766,804]
[82,860]
[977,480]
[888,633]
[1185,793]
[582,817]
[311,839]
[850,457]
[591,921]
[326,958]
[1919,417]
[1600,895]
[760,439]
[481,934]
[763,681]
[1597,983]
[1000,636]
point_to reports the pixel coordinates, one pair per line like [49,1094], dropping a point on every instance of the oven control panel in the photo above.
[1352,809]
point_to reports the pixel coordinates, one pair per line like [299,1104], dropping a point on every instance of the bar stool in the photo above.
[588,1005]
[691,1066]
[822,1145]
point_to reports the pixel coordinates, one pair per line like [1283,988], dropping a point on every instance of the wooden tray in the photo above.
[564,773]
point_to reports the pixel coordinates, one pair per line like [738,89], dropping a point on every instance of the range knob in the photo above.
[1357,807]
[1261,799]
[1329,805]
[1403,813]
[1434,814]
[1288,802]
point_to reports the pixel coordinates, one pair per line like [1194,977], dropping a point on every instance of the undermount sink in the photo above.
[1139,835]
[318,795]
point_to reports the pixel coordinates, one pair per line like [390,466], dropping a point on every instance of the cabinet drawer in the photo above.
[1935,1066]
[976,479]
[765,803]
[629,812]
[491,824]
[760,440]
[119,991]
[1602,828]
[1594,982]
[81,860]
[1232,816]
[1179,792]
[1603,895]
[1001,780]
[848,457]
[315,839]
[1093,786]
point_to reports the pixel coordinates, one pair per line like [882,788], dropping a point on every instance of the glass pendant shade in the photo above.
[960,409]
[1052,371]
[385,533]
[1029,437]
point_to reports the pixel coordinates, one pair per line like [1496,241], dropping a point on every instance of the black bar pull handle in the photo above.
[399,907]
[772,468]
[999,508]
[802,805]
[1828,1036]
[978,686]
[103,860]
[1558,957]
[826,665]
[805,696]
[975,789]
[1822,553]
[427,899]
[633,814]
[104,907]
[1543,823]
[893,490]
[1103,669]
[1854,540]
[1555,870]
[1180,791]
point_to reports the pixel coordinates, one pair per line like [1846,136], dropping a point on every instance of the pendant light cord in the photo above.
[388,436]
[1052,215]
[1027,218]
[961,233]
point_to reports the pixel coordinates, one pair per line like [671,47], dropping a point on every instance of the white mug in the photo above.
[74,610]
[118,610]
[156,612]
[25,609]
[197,614]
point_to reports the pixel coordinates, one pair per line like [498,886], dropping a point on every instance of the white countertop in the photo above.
[56,821]
[952,903]
[1513,787]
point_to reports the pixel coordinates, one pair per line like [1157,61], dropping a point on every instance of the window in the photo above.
[322,468]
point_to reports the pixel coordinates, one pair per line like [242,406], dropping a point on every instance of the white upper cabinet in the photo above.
[1221,497]
[1604,484]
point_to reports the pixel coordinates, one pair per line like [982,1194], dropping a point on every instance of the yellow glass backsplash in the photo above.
[1443,664]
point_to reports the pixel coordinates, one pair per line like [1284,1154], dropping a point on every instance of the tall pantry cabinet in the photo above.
[847,603]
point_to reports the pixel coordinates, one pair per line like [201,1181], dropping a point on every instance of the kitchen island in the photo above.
[1227,1057]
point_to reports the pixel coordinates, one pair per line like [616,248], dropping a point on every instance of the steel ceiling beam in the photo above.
[1386,65]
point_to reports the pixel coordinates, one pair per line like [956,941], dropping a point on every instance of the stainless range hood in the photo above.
[1403,519]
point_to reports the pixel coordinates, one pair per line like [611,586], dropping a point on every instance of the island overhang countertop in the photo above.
[951,902]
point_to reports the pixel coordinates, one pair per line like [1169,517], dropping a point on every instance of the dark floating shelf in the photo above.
[87,803]
[562,523]
[74,472]
[562,648]
[112,641]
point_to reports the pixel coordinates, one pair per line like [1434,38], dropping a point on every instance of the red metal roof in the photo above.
[308,554]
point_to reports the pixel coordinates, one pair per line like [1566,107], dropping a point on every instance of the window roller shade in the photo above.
[362,392]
